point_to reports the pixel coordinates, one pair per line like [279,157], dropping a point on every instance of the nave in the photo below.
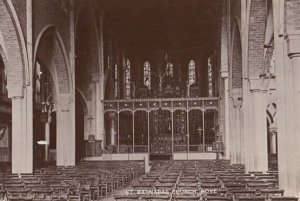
[126,180]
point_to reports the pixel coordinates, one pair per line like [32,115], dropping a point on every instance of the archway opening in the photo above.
[44,123]
[79,127]
[160,135]
[5,122]
[52,94]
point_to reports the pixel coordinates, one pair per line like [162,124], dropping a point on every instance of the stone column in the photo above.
[224,115]
[238,131]
[99,88]
[235,150]
[273,141]
[47,137]
[133,136]
[112,130]
[289,102]
[224,91]
[65,140]
[21,146]
[22,136]
[258,151]
[232,133]
[22,110]
[99,108]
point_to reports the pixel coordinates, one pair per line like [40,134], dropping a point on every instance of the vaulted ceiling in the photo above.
[163,25]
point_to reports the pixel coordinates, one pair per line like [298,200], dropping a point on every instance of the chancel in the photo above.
[101,96]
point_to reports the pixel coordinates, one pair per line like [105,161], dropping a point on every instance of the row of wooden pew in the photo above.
[87,181]
[204,180]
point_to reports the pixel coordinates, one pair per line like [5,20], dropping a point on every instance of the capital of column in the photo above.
[96,77]
[259,84]
[224,74]
[15,91]
[237,97]
[293,45]
[64,102]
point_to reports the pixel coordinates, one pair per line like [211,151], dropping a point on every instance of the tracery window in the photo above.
[116,80]
[147,74]
[38,80]
[210,78]
[170,69]
[192,72]
[127,79]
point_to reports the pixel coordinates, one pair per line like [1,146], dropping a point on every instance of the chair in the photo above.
[19,194]
[284,199]
[60,192]
[85,192]
[156,198]
[218,198]
[186,197]
[126,197]
[272,192]
[243,193]
[253,198]
[2,194]
[42,194]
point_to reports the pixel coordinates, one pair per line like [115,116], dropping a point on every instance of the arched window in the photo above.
[127,79]
[210,78]
[192,72]
[116,79]
[147,74]
[169,69]
[38,79]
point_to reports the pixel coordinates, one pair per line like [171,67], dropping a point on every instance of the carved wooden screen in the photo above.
[160,132]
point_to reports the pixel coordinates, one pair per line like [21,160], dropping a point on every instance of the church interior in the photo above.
[150,100]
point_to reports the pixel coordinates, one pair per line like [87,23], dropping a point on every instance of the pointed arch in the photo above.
[236,58]
[54,54]
[14,48]
[82,99]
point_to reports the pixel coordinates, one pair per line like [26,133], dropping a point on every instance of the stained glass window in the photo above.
[169,69]
[147,74]
[116,80]
[210,78]
[192,72]
[38,73]
[127,79]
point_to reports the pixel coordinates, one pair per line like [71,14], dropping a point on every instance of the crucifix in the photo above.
[200,130]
